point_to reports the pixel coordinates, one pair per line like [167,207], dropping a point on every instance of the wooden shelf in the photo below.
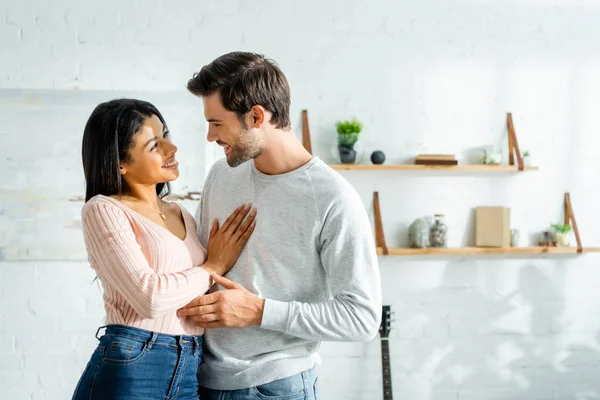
[383,249]
[516,163]
[419,167]
[485,250]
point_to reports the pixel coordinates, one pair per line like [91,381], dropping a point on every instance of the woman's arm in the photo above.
[118,257]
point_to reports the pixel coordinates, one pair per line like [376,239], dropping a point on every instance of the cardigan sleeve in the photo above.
[112,246]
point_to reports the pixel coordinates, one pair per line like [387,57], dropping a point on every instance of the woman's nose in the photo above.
[171,148]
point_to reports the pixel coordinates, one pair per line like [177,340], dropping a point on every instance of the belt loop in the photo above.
[197,345]
[99,331]
[152,340]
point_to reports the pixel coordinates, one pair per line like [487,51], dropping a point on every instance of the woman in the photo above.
[146,254]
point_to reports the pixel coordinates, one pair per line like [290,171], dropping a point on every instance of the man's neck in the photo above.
[282,153]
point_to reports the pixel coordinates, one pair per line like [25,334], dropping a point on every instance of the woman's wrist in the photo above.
[213,268]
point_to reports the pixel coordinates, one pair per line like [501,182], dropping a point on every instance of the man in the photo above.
[308,273]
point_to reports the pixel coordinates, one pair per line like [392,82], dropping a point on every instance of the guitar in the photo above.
[384,331]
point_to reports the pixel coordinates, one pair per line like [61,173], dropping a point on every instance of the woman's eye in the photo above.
[165,135]
[154,146]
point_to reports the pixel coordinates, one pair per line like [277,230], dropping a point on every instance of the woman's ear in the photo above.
[122,169]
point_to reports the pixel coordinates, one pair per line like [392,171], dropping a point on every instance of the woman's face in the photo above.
[152,157]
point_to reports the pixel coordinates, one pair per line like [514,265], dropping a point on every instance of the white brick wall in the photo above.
[429,76]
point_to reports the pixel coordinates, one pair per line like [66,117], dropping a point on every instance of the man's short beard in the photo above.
[248,146]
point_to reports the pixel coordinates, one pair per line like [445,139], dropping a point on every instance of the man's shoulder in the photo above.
[221,170]
[338,202]
[217,168]
[331,187]
[327,181]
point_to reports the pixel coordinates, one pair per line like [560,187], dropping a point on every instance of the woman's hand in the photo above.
[226,243]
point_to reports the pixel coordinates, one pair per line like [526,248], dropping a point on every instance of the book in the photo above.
[436,162]
[435,157]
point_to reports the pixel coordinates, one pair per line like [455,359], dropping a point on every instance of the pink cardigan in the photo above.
[147,272]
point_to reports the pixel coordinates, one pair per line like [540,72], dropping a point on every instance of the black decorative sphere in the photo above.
[377,157]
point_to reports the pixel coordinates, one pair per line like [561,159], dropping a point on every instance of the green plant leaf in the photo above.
[347,139]
[348,127]
[562,228]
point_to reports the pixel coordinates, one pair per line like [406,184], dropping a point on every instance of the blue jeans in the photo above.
[303,386]
[131,363]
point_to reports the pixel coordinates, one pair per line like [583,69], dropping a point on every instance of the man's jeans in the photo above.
[303,386]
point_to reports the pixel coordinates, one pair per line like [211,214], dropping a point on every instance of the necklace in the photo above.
[162,210]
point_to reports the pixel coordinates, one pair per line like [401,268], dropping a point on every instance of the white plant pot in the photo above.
[563,239]
[527,161]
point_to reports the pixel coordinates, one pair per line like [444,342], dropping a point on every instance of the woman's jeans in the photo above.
[131,363]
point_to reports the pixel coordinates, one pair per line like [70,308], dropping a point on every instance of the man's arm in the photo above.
[349,257]
[351,314]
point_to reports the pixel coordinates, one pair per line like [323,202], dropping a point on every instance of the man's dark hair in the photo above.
[245,80]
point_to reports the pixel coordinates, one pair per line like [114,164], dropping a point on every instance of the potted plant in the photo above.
[348,132]
[527,158]
[563,237]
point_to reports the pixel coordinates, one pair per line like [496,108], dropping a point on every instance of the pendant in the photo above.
[163,216]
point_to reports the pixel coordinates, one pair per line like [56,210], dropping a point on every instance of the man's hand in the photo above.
[234,307]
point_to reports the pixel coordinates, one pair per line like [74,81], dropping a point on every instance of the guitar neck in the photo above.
[385,367]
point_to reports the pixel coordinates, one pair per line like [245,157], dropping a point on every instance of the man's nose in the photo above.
[211,136]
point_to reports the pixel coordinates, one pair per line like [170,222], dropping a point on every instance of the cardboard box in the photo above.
[492,227]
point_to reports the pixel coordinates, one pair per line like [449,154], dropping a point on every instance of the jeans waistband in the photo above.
[151,338]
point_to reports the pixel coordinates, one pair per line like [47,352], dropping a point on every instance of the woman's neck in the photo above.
[146,195]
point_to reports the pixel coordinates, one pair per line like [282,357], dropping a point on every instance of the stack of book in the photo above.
[436,159]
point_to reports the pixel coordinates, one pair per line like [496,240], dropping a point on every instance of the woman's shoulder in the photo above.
[101,200]
[105,206]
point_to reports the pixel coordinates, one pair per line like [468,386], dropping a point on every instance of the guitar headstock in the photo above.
[386,321]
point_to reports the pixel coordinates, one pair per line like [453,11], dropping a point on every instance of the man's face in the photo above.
[239,141]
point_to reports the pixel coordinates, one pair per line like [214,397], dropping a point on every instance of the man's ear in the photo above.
[259,115]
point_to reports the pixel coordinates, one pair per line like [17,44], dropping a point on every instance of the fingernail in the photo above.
[247,206]
[254,211]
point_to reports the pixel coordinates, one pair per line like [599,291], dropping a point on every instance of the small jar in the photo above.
[438,234]
[514,238]
[492,156]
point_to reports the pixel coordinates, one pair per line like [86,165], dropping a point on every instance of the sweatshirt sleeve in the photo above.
[349,257]
[118,258]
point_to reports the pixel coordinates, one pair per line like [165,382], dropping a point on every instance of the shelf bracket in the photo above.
[306,132]
[379,237]
[570,219]
[513,144]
